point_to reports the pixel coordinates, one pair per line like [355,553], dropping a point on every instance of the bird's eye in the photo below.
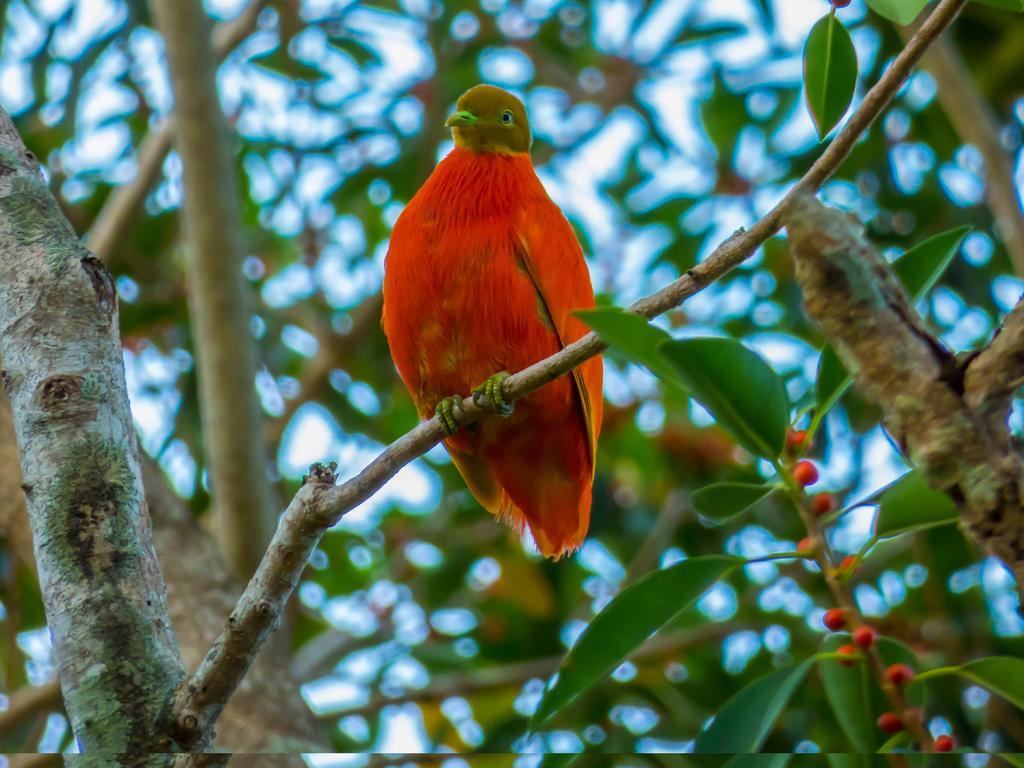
[506,117]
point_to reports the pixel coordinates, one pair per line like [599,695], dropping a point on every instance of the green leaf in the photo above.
[280,62]
[832,381]
[626,622]
[853,693]
[1002,675]
[723,115]
[745,721]
[830,73]
[737,387]
[919,269]
[721,501]
[1006,5]
[716,31]
[901,11]
[909,504]
[923,264]
[633,335]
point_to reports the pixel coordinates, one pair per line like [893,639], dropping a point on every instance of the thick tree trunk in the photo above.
[267,714]
[63,372]
[947,414]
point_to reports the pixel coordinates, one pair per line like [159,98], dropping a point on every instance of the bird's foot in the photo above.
[447,410]
[489,395]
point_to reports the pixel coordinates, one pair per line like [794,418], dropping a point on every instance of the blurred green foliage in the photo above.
[660,127]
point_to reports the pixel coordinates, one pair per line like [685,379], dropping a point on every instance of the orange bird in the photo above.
[481,277]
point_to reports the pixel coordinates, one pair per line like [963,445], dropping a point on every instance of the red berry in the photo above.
[796,440]
[945,743]
[835,619]
[805,545]
[841,3]
[889,722]
[848,650]
[864,636]
[848,564]
[823,503]
[899,674]
[805,473]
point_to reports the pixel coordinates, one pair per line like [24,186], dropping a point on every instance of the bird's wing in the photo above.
[551,256]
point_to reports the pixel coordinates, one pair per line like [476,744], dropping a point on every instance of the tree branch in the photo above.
[243,510]
[851,292]
[64,376]
[463,683]
[998,370]
[122,206]
[320,503]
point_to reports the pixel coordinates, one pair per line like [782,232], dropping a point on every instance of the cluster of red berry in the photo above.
[897,675]
[805,474]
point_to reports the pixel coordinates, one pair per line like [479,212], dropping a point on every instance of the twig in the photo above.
[673,509]
[320,503]
[837,584]
[335,351]
[462,683]
[119,211]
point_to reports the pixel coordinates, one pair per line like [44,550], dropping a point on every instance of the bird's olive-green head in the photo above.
[490,120]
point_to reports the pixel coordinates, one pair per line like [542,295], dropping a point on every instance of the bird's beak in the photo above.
[461,118]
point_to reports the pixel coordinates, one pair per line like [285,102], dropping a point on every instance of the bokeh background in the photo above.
[660,127]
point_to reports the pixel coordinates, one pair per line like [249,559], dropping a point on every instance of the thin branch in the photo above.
[336,351]
[973,119]
[320,503]
[218,295]
[673,509]
[843,595]
[122,206]
[464,683]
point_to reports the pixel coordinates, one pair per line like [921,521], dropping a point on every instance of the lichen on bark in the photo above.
[929,399]
[63,373]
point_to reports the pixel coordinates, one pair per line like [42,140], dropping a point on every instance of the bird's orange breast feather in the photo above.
[482,275]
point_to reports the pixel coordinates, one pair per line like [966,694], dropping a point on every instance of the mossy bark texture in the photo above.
[63,373]
[947,413]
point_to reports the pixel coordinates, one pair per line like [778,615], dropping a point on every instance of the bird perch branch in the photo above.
[320,503]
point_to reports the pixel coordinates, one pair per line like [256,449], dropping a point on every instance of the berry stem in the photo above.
[826,560]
